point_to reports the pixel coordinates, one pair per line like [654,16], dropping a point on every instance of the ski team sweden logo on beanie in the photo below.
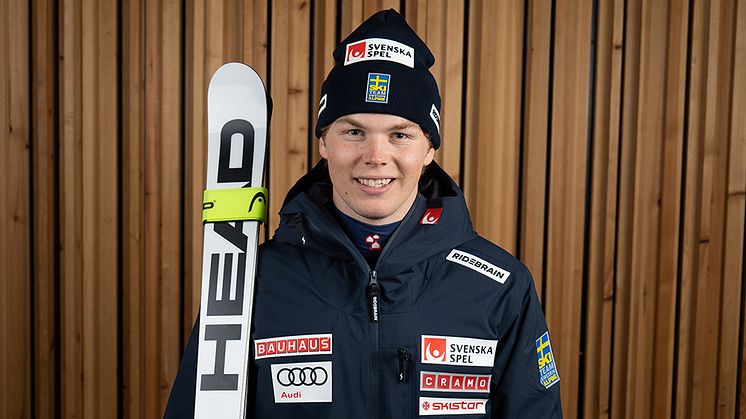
[385,56]
[378,88]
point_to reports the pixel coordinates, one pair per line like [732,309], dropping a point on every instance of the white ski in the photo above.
[237,114]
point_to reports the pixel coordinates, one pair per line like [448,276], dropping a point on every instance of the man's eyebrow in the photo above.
[346,120]
[404,126]
[397,127]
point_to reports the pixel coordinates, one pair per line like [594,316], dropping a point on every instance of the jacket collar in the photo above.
[306,221]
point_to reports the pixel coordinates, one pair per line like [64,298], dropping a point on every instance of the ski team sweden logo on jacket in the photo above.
[450,335]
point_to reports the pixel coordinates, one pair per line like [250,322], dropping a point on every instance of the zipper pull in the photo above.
[373,293]
[405,357]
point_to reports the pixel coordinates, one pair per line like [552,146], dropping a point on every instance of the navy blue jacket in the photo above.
[458,328]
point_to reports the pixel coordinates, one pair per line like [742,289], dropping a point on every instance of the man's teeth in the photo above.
[374,183]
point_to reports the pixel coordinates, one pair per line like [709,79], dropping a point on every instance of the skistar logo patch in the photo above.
[479,265]
[430,406]
[293,346]
[442,381]
[378,88]
[547,367]
[432,216]
[303,382]
[379,49]
[453,350]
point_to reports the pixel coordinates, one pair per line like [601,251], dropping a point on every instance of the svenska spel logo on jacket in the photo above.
[379,49]
[453,350]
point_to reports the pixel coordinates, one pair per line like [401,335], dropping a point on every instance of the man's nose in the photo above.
[376,150]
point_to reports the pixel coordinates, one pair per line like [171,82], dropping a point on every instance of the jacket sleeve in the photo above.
[529,385]
[181,401]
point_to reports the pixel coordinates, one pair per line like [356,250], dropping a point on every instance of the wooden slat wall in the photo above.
[602,142]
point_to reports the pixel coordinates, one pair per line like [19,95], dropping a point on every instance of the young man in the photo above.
[375,298]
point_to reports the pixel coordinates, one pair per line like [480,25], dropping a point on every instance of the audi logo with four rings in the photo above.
[306,376]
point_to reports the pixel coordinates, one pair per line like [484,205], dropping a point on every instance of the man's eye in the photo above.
[400,136]
[354,132]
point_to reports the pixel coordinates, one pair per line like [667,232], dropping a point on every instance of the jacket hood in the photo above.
[307,222]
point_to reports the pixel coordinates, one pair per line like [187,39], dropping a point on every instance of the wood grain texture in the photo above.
[566,185]
[99,183]
[440,24]
[70,213]
[600,297]
[536,118]
[103,152]
[735,231]
[290,91]
[44,193]
[493,114]
[15,250]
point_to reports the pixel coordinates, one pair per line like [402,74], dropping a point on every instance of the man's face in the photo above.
[375,162]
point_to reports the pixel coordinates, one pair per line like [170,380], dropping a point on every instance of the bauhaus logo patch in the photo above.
[379,49]
[443,381]
[293,346]
[302,382]
[452,350]
[478,264]
[430,406]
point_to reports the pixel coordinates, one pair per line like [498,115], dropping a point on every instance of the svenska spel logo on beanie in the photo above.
[379,49]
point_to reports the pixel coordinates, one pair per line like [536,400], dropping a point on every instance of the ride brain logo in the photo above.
[454,350]
[434,349]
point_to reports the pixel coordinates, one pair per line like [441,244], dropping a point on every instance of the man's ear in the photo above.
[322,146]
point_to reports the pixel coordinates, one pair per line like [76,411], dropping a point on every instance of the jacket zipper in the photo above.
[373,293]
[405,357]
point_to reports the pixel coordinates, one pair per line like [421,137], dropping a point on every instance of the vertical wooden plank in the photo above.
[440,24]
[535,137]
[674,83]
[71,277]
[370,7]
[564,264]
[44,117]
[623,356]
[600,297]
[493,119]
[162,145]
[733,274]
[691,210]
[712,233]
[100,265]
[195,154]
[352,16]
[657,185]
[290,89]
[254,37]
[15,246]
[133,210]
[325,41]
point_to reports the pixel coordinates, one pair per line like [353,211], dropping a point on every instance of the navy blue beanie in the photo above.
[382,67]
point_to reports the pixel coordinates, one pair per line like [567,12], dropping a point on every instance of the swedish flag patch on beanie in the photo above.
[382,67]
